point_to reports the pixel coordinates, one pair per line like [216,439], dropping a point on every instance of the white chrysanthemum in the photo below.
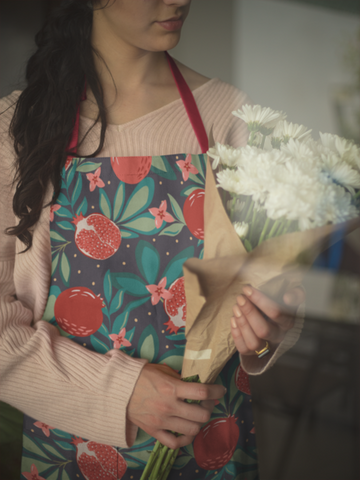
[339,171]
[346,149]
[230,180]
[285,130]
[334,206]
[241,228]
[256,116]
[298,150]
[224,154]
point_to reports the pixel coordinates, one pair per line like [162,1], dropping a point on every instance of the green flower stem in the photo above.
[263,141]
[273,229]
[169,455]
[151,461]
[264,230]
[232,209]
[357,195]
[155,471]
[252,138]
[252,224]
[170,464]
[250,209]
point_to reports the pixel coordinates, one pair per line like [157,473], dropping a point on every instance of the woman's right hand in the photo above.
[157,405]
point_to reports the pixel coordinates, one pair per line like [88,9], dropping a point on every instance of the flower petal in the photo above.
[162,283]
[151,288]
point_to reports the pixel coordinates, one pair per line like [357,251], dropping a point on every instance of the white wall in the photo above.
[288,56]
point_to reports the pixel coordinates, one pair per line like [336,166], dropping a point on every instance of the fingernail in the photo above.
[248,291]
[241,301]
[237,311]
[233,322]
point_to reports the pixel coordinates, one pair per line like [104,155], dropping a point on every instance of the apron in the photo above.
[120,230]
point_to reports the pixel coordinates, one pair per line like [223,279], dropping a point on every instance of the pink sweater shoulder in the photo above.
[43,374]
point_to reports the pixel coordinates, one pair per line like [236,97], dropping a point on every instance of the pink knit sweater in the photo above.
[46,375]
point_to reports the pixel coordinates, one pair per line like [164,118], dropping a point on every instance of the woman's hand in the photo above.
[249,327]
[157,405]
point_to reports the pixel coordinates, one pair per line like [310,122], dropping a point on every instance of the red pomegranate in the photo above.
[96,236]
[175,306]
[215,444]
[78,311]
[97,461]
[194,213]
[131,169]
[242,380]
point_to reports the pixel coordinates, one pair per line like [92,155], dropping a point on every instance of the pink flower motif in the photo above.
[159,291]
[186,167]
[95,180]
[161,214]
[44,427]
[53,209]
[119,339]
[68,162]
[33,474]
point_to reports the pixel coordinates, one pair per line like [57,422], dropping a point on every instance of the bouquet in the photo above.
[275,201]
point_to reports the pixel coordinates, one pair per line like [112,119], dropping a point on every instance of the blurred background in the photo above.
[302,57]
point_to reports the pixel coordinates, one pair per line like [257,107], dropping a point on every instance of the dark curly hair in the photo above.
[46,110]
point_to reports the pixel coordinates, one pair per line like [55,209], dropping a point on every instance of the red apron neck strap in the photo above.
[189,104]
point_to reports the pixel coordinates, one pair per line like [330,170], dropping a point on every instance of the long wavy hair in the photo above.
[45,112]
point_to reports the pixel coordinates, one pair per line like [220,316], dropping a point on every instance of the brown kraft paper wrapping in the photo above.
[212,284]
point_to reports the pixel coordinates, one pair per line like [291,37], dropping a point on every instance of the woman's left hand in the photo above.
[257,319]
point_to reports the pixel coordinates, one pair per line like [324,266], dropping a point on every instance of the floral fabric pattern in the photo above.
[120,231]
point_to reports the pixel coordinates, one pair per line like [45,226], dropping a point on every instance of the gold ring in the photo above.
[264,351]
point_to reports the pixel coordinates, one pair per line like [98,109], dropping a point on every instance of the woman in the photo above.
[100,86]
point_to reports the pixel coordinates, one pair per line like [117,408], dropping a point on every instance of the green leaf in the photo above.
[62,200]
[142,438]
[243,458]
[173,359]
[116,301]
[54,475]
[49,310]
[131,283]
[161,166]
[196,161]
[65,476]
[140,455]
[98,345]
[52,450]
[195,179]
[77,190]
[189,449]
[82,208]
[181,461]
[144,224]
[148,345]
[66,226]
[56,236]
[65,445]
[70,174]
[107,286]
[87,167]
[148,261]
[54,263]
[176,209]
[63,212]
[61,434]
[130,334]
[239,401]
[120,322]
[28,461]
[140,199]
[65,269]
[174,268]
[32,447]
[188,191]
[172,230]
[105,205]
[126,234]
[119,200]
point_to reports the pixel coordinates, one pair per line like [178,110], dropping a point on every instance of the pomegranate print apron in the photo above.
[121,229]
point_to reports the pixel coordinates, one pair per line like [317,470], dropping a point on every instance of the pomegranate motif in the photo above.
[194,213]
[99,462]
[215,444]
[131,169]
[96,236]
[242,380]
[78,311]
[175,306]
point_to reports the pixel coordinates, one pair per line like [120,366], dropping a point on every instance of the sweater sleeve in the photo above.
[43,374]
